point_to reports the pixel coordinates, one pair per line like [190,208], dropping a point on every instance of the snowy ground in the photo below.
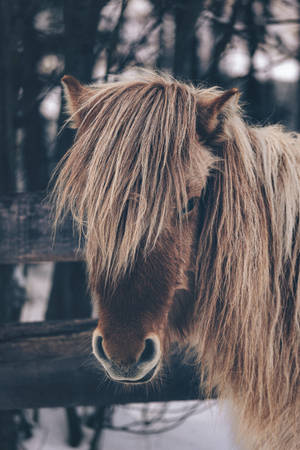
[206,429]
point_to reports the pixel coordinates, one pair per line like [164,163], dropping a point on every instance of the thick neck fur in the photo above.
[248,304]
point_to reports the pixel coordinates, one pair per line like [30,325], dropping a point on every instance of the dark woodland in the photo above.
[237,43]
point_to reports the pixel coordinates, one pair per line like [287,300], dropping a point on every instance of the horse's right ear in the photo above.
[75,94]
[209,110]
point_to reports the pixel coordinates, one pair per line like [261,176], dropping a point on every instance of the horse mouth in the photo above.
[142,380]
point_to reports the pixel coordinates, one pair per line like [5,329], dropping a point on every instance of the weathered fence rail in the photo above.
[26,233]
[50,364]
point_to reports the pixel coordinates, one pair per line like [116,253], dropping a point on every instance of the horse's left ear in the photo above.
[209,110]
[75,95]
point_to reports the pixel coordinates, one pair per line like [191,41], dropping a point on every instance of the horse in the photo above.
[190,218]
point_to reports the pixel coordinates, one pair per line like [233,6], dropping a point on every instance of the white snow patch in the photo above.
[206,430]
[37,285]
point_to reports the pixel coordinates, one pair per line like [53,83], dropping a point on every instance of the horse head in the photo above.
[133,180]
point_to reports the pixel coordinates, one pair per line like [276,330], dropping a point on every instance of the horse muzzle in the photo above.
[135,370]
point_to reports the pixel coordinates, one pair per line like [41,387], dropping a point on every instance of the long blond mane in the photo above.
[126,172]
[248,255]
[122,179]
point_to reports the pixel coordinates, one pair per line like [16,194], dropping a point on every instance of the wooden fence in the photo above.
[49,364]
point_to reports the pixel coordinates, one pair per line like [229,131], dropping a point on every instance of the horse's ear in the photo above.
[75,94]
[209,110]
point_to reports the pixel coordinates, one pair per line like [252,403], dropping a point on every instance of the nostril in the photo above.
[149,351]
[99,348]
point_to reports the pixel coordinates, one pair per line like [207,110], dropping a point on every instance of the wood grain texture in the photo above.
[26,231]
[49,364]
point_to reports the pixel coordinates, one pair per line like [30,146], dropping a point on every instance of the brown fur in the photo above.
[225,276]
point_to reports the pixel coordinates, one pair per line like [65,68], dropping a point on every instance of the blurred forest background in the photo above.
[250,44]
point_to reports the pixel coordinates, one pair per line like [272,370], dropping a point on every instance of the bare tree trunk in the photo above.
[80,20]
[8,95]
[298,87]
[34,145]
[186,14]
[255,28]
[222,37]
[8,431]
[114,39]
[252,87]
[68,297]
[9,307]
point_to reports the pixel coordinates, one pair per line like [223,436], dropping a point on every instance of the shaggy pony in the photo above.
[191,226]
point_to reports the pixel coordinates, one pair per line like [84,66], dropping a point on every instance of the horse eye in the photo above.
[190,205]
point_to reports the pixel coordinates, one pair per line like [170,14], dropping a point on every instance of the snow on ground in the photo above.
[207,428]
